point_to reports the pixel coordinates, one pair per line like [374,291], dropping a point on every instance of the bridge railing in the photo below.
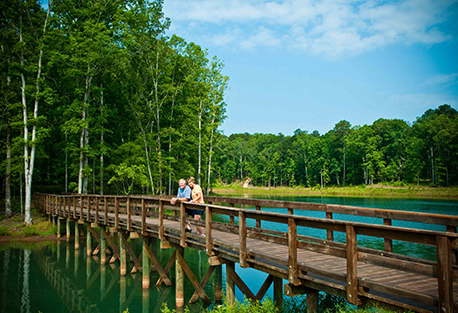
[449,222]
[108,209]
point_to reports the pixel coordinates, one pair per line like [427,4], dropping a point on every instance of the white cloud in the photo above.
[446,80]
[328,27]
[423,101]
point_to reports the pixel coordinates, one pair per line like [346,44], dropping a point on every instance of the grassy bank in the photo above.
[13,229]
[355,191]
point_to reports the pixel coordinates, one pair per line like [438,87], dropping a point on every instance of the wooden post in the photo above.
[88,243]
[352,265]
[105,218]
[74,207]
[68,229]
[219,283]
[179,280]
[292,252]
[388,242]
[81,208]
[258,221]
[103,247]
[230,285]
[329,233]
[278,292]
[161,220]
[231,218]
[452,229]
[242,240]
[208,231]
[77,236]
[312,302]
[145,263]
[123,252]
[445,274]
[97,210]
[129,215]
[143,231]
[182,225]
[88,218]
[116,212]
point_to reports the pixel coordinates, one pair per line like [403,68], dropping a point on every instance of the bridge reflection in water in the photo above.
[84,285]
[309,264]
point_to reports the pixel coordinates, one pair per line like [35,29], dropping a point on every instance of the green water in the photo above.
[53,278]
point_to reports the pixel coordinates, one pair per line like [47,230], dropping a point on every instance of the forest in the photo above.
[388,151]
[97,97]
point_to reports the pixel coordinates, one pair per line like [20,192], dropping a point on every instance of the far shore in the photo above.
[357,191]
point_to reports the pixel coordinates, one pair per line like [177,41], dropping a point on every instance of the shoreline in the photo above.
[450,193]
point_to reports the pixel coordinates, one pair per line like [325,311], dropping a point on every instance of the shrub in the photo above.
[30,231]
[4,231]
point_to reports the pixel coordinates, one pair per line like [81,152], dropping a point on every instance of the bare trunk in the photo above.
[101,139]
[66,165]
[433,176]
[147,158]
[344,175]
[84,139]
[200,143]
[210,158]
[8,211]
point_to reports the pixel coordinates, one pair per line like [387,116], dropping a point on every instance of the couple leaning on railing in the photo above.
[192,193]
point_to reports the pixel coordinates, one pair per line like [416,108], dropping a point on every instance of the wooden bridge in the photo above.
[361,275]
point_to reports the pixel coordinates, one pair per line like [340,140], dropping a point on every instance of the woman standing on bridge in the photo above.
[197,197]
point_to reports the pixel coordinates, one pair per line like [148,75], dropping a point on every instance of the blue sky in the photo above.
[309,64]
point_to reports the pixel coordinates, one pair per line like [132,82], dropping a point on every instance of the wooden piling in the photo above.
[179,280]
[77,236]
[278,292]
[68,229]
[123,252]
[88,242]
[230,285]
[58,228]
[312,302]
[219,283]
[146,265]
[103,248]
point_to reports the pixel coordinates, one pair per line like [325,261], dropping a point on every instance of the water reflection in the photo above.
[58,278]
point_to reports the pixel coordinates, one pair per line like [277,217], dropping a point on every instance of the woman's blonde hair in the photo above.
[191,180]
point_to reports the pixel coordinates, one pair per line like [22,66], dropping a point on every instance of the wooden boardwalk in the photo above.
[358,274]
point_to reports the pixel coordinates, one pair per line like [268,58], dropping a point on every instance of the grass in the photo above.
[379,190]
[15,226]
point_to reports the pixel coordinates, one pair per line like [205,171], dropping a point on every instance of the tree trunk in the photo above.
[101,139]
[344,174]
[8,211]
[432,166]
[200,144]
[210,158]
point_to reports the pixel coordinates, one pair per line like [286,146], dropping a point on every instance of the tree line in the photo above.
[389,150]
[96,98]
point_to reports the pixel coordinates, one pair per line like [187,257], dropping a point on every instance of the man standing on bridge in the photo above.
[184,194]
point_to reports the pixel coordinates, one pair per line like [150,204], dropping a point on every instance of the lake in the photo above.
[54,278]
